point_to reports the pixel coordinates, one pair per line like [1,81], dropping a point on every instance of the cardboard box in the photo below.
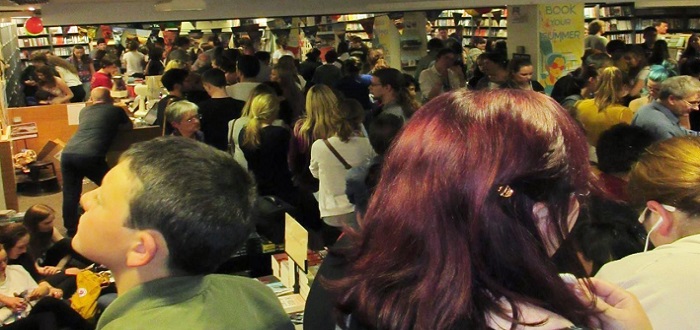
[52,152]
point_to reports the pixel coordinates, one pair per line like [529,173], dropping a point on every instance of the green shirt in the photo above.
[196,302]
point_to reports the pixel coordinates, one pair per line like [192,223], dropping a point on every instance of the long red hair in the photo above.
[439,248]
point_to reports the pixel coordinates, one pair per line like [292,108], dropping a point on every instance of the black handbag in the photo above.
[268,217]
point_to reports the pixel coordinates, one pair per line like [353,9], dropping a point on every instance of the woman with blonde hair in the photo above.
[265,147]
[314,125]
[339,148]
[235,127]
[663,185]
[605,109]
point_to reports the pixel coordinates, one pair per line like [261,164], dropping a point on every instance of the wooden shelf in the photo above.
[71,45]
[36,36]
[34,47]
[606,18]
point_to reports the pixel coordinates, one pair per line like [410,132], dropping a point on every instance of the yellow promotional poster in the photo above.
[387,38]
[561,41]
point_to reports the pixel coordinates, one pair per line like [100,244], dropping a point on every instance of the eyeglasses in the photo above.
[693,104]
[197,117]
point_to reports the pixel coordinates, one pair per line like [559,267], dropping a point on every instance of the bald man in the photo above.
[84,155]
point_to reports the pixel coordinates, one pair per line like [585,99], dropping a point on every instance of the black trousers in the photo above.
[78,93]
[74,169]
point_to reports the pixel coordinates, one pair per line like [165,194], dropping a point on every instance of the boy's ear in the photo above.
[148,247]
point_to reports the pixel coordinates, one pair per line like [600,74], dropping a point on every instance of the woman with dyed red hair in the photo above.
[474,198]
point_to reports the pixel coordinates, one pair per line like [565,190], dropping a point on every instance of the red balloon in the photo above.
[483,10]
[34,25]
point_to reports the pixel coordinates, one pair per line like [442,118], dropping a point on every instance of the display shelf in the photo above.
[488,25]
[55,39]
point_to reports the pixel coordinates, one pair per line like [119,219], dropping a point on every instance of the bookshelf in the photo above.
[11,74]
[619,20]
[57,40]
[680,19]
[492,25]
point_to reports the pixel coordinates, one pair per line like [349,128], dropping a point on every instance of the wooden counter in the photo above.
[52,124]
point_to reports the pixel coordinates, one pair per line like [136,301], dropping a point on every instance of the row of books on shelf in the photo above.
[21,31]
[489,22]
[64,51]
[627,38]
[60,30]
[34,42]
[607,11]
[488,33]
[673,23]
[69,40]
[617,25]
[450,13]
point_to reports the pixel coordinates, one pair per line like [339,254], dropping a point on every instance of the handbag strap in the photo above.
[231,142]
[337,155]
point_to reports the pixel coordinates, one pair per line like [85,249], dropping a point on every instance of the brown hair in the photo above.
[36,214]
[668,172]
[11,233]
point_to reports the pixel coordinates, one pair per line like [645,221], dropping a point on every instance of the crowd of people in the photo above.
[457,197]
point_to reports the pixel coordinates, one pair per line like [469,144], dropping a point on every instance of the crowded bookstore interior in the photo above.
[214,164]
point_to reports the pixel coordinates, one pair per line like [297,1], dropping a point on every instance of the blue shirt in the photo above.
[660,122]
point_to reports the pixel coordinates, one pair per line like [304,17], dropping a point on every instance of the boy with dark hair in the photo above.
[165,218]
[247,70]
[265,69]
[217,111]
[174,81]
[328,73]
[103,76]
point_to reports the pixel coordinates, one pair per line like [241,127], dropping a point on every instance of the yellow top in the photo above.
[596,122]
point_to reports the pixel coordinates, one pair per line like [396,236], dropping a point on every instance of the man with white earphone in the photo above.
[664,184]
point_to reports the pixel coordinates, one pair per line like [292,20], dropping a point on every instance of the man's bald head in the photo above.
[101,95]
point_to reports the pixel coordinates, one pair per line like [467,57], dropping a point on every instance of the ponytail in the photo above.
[264,109]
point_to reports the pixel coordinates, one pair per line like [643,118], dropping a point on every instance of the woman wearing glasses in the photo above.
[184,117]
[665,186]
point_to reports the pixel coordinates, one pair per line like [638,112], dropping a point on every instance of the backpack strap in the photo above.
[337,155]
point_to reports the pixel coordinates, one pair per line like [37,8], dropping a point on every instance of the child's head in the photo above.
[39,218]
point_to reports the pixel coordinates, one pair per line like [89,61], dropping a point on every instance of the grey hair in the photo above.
[178,109]
[680,87]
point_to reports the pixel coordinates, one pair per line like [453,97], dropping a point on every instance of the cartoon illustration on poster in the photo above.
[561,47]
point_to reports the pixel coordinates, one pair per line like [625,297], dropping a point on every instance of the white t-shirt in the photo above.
[662,280]
[241,91]
[331,173]
[279,53]
[17,280]
[70,78]
[134,62]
